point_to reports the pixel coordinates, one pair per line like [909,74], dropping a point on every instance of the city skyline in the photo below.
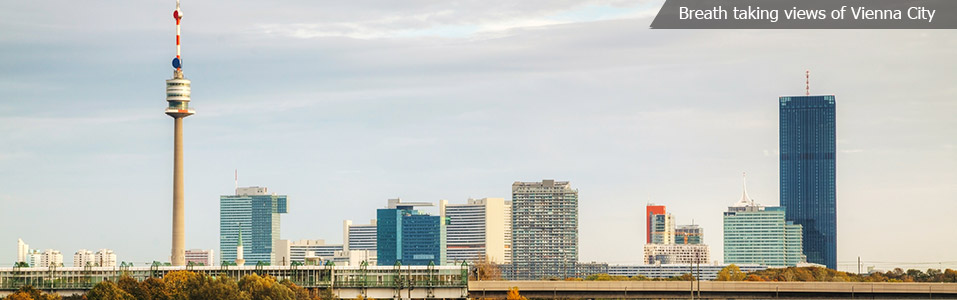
[431,116]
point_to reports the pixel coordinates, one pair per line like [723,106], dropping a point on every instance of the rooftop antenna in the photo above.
[237,178]
[178,15]
[807,82]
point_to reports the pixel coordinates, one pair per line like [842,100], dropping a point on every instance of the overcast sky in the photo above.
[343,104]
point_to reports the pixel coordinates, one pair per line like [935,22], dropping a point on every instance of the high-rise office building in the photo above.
[808,172]
[544,230]
[650,211]
[409,236]
[83,257]
[358,244]
[201,257]
[255,213]
[754,234]
[689,234]
[662,229]
[476,230]
[359,236]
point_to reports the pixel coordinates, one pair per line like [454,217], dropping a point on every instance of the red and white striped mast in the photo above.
[178,63]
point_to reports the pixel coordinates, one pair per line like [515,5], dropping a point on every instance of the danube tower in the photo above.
[177,95]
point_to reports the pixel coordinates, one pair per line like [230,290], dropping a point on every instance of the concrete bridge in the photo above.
[376,282]
[712,290]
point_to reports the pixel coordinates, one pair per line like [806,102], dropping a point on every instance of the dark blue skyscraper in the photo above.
[409,236]
[808,181]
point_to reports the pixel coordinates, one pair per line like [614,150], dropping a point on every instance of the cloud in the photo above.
[459,22]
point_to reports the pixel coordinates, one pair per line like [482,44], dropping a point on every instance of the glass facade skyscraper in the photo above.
[409,236]
[808,168]
[759,235]
[255,213]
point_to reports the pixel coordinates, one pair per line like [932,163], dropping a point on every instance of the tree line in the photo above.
[186,285]
[734,273]
[824,274]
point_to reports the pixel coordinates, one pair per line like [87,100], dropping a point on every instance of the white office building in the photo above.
[478,229]
[105,258]
[83,257]
[46,258]
[201,257]
[23,251]
[354,257]
[705,272]
[663,229]
[288,251]
[359,236]
[676,254]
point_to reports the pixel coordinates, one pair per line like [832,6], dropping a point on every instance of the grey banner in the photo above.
[807,14]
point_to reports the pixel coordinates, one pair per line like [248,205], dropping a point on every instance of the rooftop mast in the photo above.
[807,79]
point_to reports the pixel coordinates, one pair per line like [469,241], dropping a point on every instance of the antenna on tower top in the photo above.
[807,82]
[178,61]
[237,179]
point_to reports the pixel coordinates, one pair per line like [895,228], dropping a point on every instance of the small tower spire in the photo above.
[239,247]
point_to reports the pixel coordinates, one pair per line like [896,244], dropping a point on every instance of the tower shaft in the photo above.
[178,256]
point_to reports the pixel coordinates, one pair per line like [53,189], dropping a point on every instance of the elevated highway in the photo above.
[712,290]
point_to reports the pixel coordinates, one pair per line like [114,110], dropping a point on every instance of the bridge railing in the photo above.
[305,276]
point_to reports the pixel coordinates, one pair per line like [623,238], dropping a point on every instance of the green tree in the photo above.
[485,269]
[264,288]
[35,294]
[178,284]
[19,296]
[134,288]
[731,273]
[326,294]
[949,276]
[205,287]
[155,287]
[513,294]
[301,293]
[107,290]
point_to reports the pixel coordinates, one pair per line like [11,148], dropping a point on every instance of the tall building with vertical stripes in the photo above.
[544,230]
[409,236]
[808,166]
[755,234]
[650,211]
[359,236]
[477,230]
[254,213]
